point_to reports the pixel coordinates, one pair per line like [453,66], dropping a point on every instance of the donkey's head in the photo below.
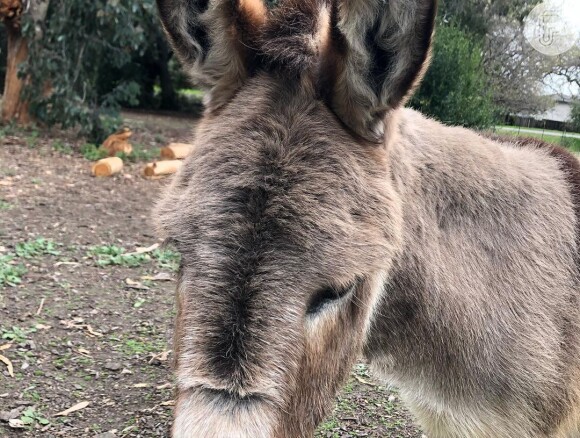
[285,213]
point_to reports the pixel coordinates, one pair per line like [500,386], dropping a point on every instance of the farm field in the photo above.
[89,326]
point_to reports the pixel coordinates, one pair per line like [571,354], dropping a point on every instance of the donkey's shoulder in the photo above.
[568,163]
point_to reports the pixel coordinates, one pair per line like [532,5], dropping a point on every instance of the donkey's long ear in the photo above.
[213,40]
[382,49]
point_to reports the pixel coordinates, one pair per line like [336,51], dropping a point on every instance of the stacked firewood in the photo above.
[11,10]
[172,157]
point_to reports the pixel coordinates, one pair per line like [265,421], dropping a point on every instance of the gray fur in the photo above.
[457,258]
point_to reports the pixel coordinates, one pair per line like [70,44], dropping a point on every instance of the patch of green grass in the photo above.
[554,137]
[59,363]
[33,395]
[107,255]
[92,152]
[32,138]
[9,129]
[10,273]
[572,144]
[329,428]
[191,92]
[132,347]
[5,205]
[17,334]
[140,153]
[37,247]
[62,147]
[167,259]
[361,370]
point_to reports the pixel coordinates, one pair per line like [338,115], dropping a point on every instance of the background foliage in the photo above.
[576,117]
[455,87]
[89,58]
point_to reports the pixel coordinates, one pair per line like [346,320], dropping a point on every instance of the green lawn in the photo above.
[557,137]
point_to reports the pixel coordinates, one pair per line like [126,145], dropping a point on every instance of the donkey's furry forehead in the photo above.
[363,58]
[275,169]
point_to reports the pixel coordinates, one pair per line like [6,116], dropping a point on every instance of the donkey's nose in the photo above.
[226,397]
[229,396]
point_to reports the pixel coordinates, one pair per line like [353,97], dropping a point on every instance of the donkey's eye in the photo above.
[326,296]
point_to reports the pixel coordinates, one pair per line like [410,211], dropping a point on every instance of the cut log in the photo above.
[117,142]
[176,151]
[159,168]
[107,166]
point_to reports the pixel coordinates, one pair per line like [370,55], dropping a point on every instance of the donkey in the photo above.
[319,220]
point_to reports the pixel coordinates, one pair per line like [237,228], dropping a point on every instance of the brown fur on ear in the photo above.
[381,51]
[296,34]
[215,41]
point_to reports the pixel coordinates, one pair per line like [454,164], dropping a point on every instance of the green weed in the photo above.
[5,205]
[10,129]
[167,259]
[132,347]
[17,334]
[107,255]
[61,147]
[30,417]
[32,138]
[92,152]
[35,248]
[140,153]
[10,273]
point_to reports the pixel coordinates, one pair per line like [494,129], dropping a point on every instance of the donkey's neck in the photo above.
[484,224]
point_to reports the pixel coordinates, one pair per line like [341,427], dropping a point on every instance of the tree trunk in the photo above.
[168,95]
[13,107]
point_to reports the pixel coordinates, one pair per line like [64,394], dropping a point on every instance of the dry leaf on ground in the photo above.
[16,423]
[161,276]
[168,403]
[144,250]
[8,365]
[72,409]
[135,284]
[161,357]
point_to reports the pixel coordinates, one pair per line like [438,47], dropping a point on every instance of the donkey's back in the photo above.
[479,323]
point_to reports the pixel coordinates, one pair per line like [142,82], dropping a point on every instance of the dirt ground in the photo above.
[86,326]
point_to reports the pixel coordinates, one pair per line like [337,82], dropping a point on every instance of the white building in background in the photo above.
[561,112]
[557,117]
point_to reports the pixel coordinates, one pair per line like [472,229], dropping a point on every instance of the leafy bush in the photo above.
[95,36]
[576,116]
[455,89]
